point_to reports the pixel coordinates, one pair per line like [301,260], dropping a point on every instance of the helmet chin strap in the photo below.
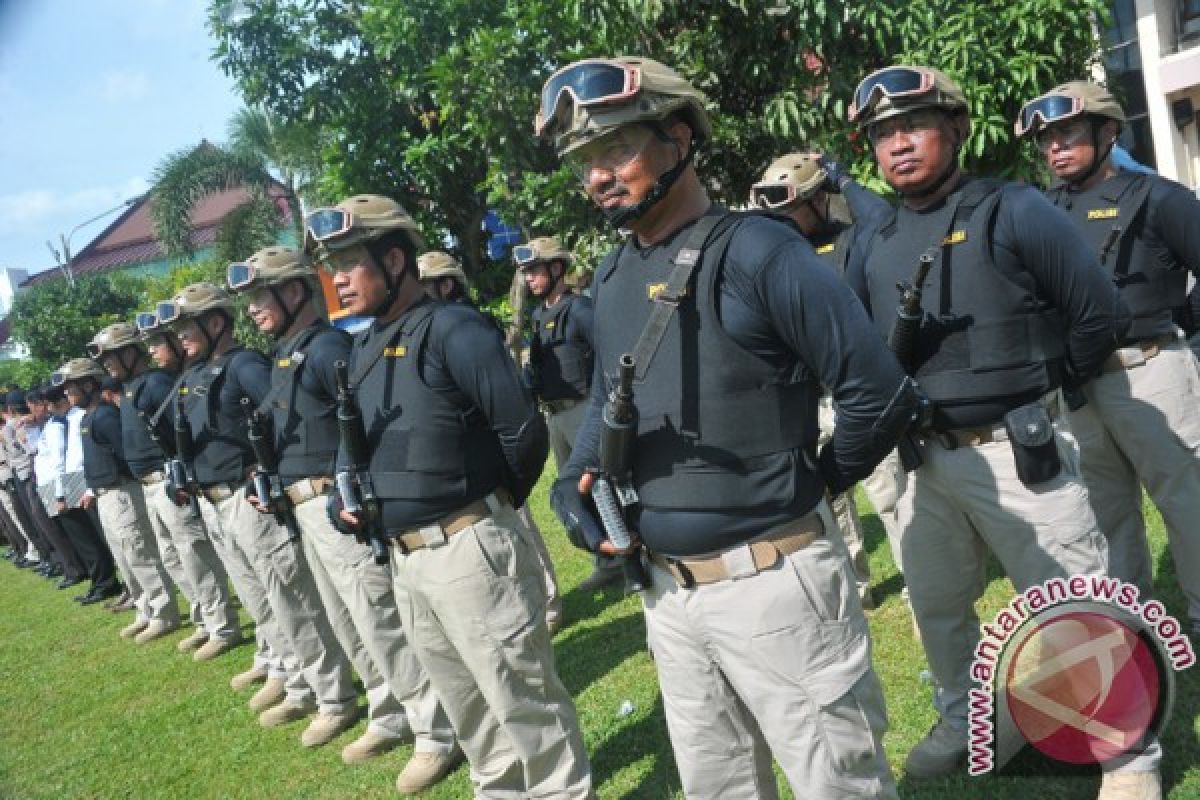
[1098,161]
[289,315]
[945,175]
[622,216]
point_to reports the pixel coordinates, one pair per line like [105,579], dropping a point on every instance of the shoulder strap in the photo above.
[678,282]
[1127,215]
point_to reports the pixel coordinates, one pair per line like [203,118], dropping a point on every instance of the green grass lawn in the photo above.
[84,714]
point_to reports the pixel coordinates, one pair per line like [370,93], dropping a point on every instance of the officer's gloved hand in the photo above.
[334,509]
[529,377]
[836,176]
[577,514]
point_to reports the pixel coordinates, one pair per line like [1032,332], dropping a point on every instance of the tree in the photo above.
[56,320]
[432,101]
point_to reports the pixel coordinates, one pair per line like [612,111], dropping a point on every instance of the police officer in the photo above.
[263,558]
[760,641]
[184,548]
[1141,424]
[559,369]
[455,443]
[356,592]
[832,211]
[444,279]
[119,504]
[1014,306]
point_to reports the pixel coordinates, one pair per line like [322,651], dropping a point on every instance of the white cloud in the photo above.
[123,85]
[20,211]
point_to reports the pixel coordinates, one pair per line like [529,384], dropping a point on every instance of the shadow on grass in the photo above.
[629,745]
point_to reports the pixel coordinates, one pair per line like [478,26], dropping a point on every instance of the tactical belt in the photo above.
[151,478]
[124,485]
[746,559]
[975,437]
[435,535]
[219,491]
[559,406]
[307,489]
[1138,353]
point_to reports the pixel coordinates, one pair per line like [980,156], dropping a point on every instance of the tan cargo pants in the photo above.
[126,524]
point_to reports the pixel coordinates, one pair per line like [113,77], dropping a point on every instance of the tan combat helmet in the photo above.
[436,264]
[77,369]
[790,180]
[270,266]
[1065,102]
[193,301]
[900,89]
[357,220]
[113,338]
[541,250]
[587,99]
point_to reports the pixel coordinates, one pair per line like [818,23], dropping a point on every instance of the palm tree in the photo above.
[184,178]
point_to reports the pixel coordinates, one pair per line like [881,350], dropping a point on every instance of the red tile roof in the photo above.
[130,239]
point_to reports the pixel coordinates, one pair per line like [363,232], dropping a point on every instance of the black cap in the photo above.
[15,399]
[110,384]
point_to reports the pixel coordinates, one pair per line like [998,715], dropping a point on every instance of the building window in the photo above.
[1123,65]
[1189,23]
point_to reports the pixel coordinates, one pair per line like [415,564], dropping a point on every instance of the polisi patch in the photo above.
[956,237]
[399,351]
[283,363]
[825,248]
[1103,213]
[653,290]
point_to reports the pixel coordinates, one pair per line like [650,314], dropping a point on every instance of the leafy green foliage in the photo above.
[56,320]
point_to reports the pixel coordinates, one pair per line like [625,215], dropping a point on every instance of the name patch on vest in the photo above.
[549,325]
[957,237]
[283,363]
[129,394]
[1103,213]
[825,248]
[84,431]
[399,351]
[183,390]
[653,290]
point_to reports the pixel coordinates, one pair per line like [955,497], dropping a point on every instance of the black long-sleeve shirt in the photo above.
[778,301]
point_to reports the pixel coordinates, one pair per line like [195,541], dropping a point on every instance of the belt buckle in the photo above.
[433,536]
[739,562]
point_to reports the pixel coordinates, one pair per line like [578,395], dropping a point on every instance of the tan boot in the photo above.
[244,680]
[271,694]
[425,769]
[198,639]
[1130,786]
[134,628]
[282,714]
[156,630]
[215,646]
[943,751]
[325,727]
[368,746]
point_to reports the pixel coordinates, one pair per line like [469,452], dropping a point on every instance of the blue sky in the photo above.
[93,94]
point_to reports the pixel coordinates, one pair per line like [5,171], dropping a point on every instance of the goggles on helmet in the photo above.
[239,276]
[591,82]
[1051,108]
[58,378]
[94,350]
[890,82]
[325,224]
[524,255]
[168,312]
[773,196]
[146,321]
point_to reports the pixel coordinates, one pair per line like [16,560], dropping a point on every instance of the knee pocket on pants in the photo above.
[850,727]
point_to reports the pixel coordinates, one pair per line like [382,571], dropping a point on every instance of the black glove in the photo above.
[529,377]
[577,514]
[836,176]
[333,508]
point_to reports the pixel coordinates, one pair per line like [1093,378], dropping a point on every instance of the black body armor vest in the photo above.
[427,448]
[719,428]
[985,334]
[1112,220]
[223,452]
[564,366]
[141,453]
[303,414]
[101,467]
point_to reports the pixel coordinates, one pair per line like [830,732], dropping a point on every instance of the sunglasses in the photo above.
[239,276]
[772,195]
[324,224]
[589,83]
[1050,108]
[890,82]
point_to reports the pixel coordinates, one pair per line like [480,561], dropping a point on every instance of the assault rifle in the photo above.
[613,491]
[181,474]
[903,342]
[268,486]
[354,483]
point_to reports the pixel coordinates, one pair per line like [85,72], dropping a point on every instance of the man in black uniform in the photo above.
[119,504]
[355,591]
[1014,307]
[734,325]
[559,371]
[147,430]
[455,442]
[265,562]
[1141,424]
